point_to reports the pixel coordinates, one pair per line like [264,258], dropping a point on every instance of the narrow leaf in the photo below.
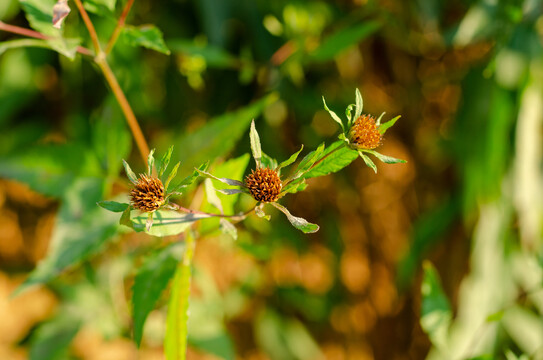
[368,161]
[165,222]
[255,144]
[150,281]
[378,122]
[295,186]
[175,342]
[348,114]
[336,157]
[359,104]
[131,175]
[113,205]
[384,158]
[190,179]
[333,115]
[230,191]
[171,176]
[291,159]
[436,311]
[150,162]
[165,161]
[148,36]
[267,161]
[384,127]
[298,222]
[307,162]
[230,182]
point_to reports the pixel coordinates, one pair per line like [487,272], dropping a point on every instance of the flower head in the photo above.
[364,134]
[264,184]
[147,194]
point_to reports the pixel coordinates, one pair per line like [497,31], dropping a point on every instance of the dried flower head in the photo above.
[364,133]
[148,194]
[264,184]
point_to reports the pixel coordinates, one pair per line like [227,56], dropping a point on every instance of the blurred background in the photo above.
[467,79]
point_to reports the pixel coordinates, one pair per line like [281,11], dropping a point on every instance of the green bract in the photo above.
[351,124]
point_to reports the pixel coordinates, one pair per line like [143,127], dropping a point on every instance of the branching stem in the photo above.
[119,27]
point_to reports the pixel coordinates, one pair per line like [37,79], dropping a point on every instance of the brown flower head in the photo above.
[264,184]
[148,194]
[364,133]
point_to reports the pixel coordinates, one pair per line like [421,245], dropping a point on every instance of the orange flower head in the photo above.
[264,184]
[364,133]
[148,194]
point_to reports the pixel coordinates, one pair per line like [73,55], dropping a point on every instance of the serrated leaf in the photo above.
[368,161]
[384,127]
[113,206]
[291,159]
[165,161]
[150,162]
[175,342]
[131,175]
[151,279]
[173,173]
[342,39]
[384,158]
[359,104]
[436,314]
[255,144]
[333,115]
[336,157]
[298,222]
[148,36]
[165,222]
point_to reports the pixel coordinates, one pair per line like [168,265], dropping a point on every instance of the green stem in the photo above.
[90,27]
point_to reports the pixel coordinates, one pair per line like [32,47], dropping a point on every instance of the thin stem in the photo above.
[119,27]
[36,35]
[198,212]
[90,27]
[125,107]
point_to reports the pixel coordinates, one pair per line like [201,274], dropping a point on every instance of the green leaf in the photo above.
[255,145]
[14,44]
[215,57]
[165,222]
[150,281]
[173,173]
[297,222]
[307,162]
[227,181]
[384,158]
[131,175]
[336,157]
[39,14]
[436,314]
[342,39]
[211,195]
[228,228]
[165,161]
[148,36]
[295,186]
[234,168]
[291,159]
[113,206]
[81,229]
[333,115]
[359,104]
[497,316]
[384,127]
[268,162]
[150,162]
[51,339]
[190,179]
[101,7]
[261,214]
[368,161]
[219,345]
[219,135]
[175,342]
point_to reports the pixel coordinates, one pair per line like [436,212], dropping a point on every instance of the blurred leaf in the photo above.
[39,14]
[336,157]
[101,7]
[213,56]
[333,115]
[219,136]
[13,44]
[342,39]
[234,168]
[211,195]
[165,222]
[255,144]
[81,228]
[148,36]
[228,228]
[525,328]
[171,176]
[436,312]
[165,161]
[51,339]
[150,162]
[219,345]
[227,181]
[175,342]
[359,104]
[131,175]
[50,169]
[267,161]
[113,206]
[152,278]
[297,222]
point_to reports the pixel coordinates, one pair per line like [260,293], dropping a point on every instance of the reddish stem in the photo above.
[119,27]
